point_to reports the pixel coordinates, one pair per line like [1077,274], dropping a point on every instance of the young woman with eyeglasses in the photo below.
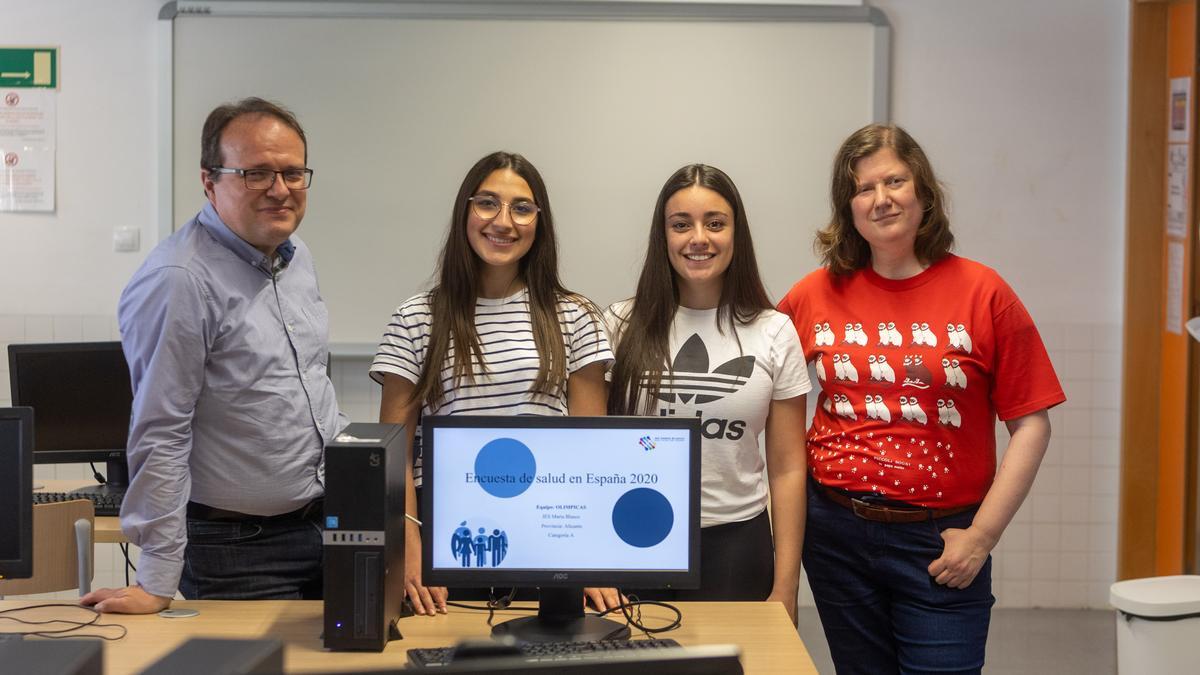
[700,339]
[497,335]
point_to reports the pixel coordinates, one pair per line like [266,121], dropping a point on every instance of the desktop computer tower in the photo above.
[364,536]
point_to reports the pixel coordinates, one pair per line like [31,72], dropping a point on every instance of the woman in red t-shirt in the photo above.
[918,352]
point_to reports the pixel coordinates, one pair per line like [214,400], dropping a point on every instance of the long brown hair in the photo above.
[643,336]
[452,300]
[839,245]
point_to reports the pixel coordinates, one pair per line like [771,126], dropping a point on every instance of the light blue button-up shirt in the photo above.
[232,404]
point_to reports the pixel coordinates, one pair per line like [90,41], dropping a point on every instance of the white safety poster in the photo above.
[27,148]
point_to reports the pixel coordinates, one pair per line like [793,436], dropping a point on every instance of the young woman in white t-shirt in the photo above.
[497,335]
[701,339]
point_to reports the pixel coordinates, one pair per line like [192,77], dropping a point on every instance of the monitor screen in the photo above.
[561,502]
[16,493]
[82,397]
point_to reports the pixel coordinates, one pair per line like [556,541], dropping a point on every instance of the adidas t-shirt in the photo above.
[730,390]
[510,359]
[913,375]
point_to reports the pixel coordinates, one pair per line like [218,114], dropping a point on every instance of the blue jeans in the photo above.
[253,560]
[881,611]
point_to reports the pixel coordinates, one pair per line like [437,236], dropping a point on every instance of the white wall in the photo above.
[1020,105]
[63,263]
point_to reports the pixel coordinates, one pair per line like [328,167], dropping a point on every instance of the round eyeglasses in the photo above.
[487,207]
[263,179]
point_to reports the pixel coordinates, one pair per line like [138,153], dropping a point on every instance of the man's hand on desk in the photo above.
[129,600]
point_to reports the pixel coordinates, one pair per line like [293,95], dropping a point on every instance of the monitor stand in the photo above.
[560,618]
[116,475]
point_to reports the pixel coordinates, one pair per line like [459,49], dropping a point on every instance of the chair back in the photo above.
[56,562]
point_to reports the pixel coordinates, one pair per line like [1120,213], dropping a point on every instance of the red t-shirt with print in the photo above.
[913,374]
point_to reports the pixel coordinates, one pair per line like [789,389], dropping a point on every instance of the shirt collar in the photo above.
[212,222]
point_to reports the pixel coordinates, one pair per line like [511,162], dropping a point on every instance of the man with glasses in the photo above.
[226,337]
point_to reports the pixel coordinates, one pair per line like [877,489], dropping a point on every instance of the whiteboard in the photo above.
[606,104]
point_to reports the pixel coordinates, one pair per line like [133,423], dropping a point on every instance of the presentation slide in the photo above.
[581,499]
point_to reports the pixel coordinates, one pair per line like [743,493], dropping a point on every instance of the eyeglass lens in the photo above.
[488,207]
[262,179]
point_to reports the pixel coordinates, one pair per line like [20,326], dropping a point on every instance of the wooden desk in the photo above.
[769,642]
[107,528]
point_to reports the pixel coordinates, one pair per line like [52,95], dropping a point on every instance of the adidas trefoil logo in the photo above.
[691,381]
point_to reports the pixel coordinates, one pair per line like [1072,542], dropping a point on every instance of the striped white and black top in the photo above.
[502,386]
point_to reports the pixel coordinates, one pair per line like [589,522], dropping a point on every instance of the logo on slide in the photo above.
[478,547]
[646,443]
[691,378]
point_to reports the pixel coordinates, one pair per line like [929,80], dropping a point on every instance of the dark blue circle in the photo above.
[505,468]
[643,517]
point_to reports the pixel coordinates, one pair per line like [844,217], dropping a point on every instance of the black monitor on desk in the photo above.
[561,503]
[82,398]
[16,493]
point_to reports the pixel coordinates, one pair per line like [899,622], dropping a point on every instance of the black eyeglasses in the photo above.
[488,207]
[263,179]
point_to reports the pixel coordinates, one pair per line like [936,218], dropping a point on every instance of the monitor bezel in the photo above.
[61,456]
[557,578]
[21,567]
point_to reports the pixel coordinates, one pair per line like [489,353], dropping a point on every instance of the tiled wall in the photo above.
[1060,550]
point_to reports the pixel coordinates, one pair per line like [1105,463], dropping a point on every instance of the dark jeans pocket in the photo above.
[213,532]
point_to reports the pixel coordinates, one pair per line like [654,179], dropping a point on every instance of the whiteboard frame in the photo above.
[575,10]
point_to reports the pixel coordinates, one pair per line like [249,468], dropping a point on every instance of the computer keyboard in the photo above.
[105,503]
[535,652]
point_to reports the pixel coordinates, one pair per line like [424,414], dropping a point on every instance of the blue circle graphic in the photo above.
[505,468]
[643,517]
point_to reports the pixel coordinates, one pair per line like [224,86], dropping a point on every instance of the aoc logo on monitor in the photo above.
[478,547]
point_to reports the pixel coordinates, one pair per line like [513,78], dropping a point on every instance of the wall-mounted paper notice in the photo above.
[27,124]
[1179,110]
[1177,190]
[1175,288]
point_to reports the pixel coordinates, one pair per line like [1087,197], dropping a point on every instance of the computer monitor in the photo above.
[16,493]
[561,503]
[82,397]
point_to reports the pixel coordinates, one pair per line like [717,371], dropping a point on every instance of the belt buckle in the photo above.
[861,508]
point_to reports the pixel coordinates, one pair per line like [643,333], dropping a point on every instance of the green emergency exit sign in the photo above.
[29,67]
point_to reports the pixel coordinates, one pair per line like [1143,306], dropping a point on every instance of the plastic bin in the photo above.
[1158,625]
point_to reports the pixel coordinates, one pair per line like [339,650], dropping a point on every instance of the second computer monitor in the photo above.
[81,395]
[561,503]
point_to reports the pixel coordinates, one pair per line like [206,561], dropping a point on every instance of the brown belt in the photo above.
[200,511]
[880,513]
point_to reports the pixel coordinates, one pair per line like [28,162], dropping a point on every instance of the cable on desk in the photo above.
[97,475]
[128,562]
[494,603]
[632,611]
[62,632]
